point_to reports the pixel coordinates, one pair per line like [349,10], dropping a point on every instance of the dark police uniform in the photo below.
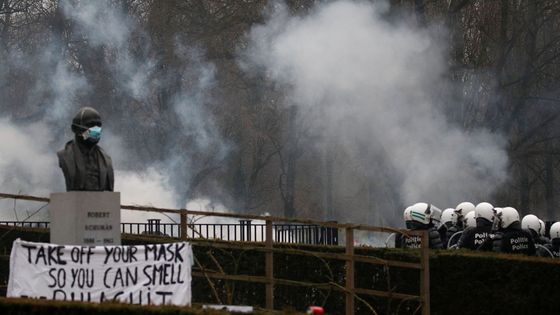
[449,234]
[477,238]
[513,240]
[415,241]
[544,250]
[445,233]
[554,247]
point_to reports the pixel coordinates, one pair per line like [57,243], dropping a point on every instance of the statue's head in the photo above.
[87,125]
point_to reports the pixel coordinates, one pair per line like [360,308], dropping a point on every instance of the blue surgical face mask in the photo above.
[92,134]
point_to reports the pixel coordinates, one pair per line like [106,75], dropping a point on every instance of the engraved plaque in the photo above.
[90,218]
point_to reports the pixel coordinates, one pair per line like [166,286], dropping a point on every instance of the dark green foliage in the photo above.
[482,283]
[41,307]
[246,262]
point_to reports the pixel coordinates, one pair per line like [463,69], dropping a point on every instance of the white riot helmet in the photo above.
[484,210]
[497,211]
[508,217]
[449,216]
[470,221]
[555,231]
[531,222]
[435,215]
[419,213]
[425,213]
[463,208]
[406,214]
[542,230]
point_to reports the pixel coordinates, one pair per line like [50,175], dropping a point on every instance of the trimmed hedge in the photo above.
[42,307]
[462,282]
[478,283]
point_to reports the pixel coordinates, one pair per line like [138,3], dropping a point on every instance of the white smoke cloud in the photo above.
[208,205]
[373,86]
[64,85]
[30,164]
[221,227]
[365,81]
[103,24]
[27,166]
[147,188]
[26,159]
[55,82]
[190,103]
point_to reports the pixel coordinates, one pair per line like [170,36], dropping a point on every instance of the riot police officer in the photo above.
[533,225]
[478,236]
[554,245]
[420,216]
[510,238]
[448,225]
[461,210]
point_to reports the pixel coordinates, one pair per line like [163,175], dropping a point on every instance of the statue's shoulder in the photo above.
[105,156]
[67,149]
[65,155]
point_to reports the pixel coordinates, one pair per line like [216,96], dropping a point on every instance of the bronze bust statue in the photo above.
[84,164]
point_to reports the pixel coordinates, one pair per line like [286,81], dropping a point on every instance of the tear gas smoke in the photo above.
[148,188]
[367,88]
[212,206]
[104,25]
[26,161]
[59,86]
[373,89]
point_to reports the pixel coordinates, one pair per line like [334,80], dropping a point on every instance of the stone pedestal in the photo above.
[89,218]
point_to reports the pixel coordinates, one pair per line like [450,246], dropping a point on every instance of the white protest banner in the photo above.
[141,274]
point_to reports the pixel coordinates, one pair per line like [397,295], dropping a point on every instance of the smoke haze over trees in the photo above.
[339,110]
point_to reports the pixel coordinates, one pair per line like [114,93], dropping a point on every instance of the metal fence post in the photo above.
[350,271]
[183,232]
[269,267]
[425,274]
[248,226]
[245,230]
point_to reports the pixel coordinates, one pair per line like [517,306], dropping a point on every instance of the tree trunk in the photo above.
[524,89]
[549,187]
[290,165]
[420,11]
[524,185]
